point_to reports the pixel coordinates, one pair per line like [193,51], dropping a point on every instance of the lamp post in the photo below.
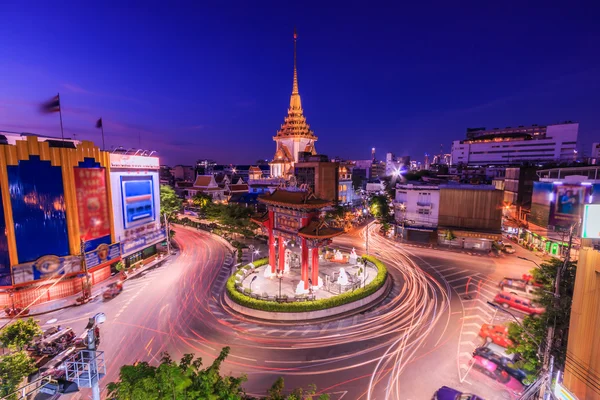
[367,233]
[252,280]
[91,345]
[527,259]
[279,276]
[497,307]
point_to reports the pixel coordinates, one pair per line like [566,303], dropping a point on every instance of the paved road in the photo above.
[404,349]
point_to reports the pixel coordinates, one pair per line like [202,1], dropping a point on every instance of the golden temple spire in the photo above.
[295,102]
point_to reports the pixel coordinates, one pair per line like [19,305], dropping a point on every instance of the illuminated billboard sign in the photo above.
[102,254]
[46,267]
[92,204]
[591,222]
[138,200]
[133,162]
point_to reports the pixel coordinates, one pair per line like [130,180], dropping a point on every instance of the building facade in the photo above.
[534,144]
[416,210]
[319,175]
[55,218]
[184,173]
[346,192]
[294,136]
[596,153]
[518,189]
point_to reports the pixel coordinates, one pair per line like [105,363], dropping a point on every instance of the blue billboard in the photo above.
[38,208]
[102,254]
[138,200]
[5,278]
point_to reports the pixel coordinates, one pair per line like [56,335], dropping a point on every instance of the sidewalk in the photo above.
[471,252]
[70,301]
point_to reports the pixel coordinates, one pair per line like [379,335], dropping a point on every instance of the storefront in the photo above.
[141,257]
[480,241]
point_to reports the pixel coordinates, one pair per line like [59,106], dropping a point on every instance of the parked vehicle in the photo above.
[519,287]
[497,334]
[447,393]
[518,303]
[508,249]
[497,372]
[491,348]
[112,290]
[501,362]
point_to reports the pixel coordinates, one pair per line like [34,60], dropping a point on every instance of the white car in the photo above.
[509,249]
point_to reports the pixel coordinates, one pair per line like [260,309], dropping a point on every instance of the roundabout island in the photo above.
[280,287]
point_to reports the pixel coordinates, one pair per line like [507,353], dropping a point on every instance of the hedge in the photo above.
[305,306]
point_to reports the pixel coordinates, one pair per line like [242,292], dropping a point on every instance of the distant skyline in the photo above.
[197,81]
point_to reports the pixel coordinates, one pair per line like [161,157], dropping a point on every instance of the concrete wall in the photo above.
[471,209]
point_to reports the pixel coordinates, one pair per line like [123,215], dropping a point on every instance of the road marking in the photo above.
[271,331]
[460,279]
[456,273]
[444,269]
[470,333]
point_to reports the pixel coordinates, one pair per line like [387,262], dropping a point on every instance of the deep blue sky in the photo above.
[201,80]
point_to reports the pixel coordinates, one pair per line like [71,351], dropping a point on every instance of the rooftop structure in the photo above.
[294,135]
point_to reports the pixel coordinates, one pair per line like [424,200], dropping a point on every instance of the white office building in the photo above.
[416,210]
[534,144]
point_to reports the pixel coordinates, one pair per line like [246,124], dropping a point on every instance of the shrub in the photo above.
[310,305]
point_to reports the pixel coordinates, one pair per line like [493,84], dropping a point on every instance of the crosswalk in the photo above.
[474,291]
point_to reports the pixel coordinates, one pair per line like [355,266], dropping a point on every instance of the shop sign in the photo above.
[46,267]
[591,222]
[92,204]
[130,245]
[562,393]
[133,162]
[102,254]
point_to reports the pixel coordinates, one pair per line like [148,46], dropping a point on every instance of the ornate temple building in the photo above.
[295,134]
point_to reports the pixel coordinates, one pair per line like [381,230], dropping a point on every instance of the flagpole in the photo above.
[102,128]
[62,132]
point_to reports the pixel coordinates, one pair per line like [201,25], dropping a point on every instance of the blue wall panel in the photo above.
[5,279]
[38,206]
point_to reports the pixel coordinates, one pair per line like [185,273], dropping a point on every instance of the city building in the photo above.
[184,173]
[165,175]
[55,214]
[470,216]
[294,136]
[533,144]
[583,346]
[518,189]
[393,164]
[207,184]
[375,187]
[595,153]
[557,205]
[135,195]
[346,192]
[319,174]
[416,210]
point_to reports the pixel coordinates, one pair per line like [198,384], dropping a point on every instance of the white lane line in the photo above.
[306,332]
[289,333]
[471,333]
[444,269]
[456,273]
[460,279]
[271,331]
[324,328]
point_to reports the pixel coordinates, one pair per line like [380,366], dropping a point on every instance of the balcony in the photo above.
[424,204]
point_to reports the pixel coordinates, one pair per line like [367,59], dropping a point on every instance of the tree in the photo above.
[187,380]
[449,235]
[14,367]
[18,334]
[380,207]
[201,200]
[531,337]
[170,203]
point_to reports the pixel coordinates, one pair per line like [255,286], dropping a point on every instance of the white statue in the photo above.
[338,255]
[353,256]
[343,277]
[268,273]
[286,265]
[300,288]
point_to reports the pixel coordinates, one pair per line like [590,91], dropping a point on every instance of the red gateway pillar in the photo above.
[271,242]
[305,263]
[315,266]
[281,254]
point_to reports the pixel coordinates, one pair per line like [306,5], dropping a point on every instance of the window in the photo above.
[423,211]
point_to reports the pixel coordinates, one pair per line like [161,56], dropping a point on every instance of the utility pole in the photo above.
[168,234]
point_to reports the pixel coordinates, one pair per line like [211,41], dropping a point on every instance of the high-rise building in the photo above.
[294,136]
[596,152]
[512,146]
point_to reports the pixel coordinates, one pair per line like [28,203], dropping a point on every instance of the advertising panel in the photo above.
[540,203]
[567,204]
[138,200]
[102,254]
[5,278]
[92,203]
[133,162]
[134,244]
[38,207]
[46,267]
[591,222]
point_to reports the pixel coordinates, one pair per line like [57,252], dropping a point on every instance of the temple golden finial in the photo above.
[295,85]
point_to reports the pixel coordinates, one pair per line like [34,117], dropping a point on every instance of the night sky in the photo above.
[200,80]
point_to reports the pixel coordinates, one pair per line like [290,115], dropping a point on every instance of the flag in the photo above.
[52,105]
[99,123]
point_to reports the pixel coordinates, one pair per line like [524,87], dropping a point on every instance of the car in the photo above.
[518,303]
[500,357]
[447,393]
[112,290]
[508,249]
[497,334]
[519,287]
[497,372]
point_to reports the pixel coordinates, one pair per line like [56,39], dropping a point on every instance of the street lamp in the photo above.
[255,252]
[498,308]
[527,259]
[279,276]
[252,280]
[92,326]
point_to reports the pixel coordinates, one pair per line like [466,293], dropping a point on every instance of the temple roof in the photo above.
[294,124]
[319,230]
[293,199]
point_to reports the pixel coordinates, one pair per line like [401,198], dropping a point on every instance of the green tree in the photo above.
[19,333]
[14,367]
[385,228]
[380,208]
[201,200]
[170,203]
[530,338]
[449,235]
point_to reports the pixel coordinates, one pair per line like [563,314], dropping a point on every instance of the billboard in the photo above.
[102,254]
[138,200]
[46,267]
[567,204]
[38,208]
[5,279]
[133,162]
[92,203]
[591,222]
